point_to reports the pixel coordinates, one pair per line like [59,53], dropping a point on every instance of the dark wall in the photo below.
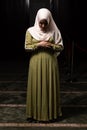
[14,19]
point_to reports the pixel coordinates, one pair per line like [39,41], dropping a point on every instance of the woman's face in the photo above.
[43,24]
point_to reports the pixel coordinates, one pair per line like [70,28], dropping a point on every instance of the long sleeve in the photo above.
[57,47]
[29,44]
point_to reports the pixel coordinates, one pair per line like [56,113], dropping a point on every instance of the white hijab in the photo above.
[52,31]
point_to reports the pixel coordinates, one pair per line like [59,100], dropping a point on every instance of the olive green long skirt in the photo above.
[43,89]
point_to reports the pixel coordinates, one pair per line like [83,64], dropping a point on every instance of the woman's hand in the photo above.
[44,44]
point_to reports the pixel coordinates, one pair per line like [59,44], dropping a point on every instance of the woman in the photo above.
[44,41]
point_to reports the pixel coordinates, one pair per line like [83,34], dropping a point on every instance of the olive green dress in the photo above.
[43,88]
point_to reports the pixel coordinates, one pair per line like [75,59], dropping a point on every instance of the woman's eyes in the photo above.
[43,23]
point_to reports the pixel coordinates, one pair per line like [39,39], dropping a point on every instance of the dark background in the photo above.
[17,15]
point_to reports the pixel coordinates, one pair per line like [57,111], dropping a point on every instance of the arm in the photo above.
[29,45]
[58,47]
[50,44]
[57,42]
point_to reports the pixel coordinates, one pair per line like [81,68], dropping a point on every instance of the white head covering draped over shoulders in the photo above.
[52,31]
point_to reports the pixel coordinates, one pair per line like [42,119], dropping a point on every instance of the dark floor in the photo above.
[13,83]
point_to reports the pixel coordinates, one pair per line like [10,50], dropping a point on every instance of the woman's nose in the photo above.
[43,25]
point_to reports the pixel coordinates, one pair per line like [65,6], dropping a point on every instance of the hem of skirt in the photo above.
[44,120]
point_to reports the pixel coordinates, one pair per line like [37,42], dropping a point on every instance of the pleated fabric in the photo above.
[43,88]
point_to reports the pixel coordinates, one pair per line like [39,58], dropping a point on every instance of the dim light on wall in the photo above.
[27,3]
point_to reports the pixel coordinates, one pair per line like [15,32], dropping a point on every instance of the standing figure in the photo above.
[44,42]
